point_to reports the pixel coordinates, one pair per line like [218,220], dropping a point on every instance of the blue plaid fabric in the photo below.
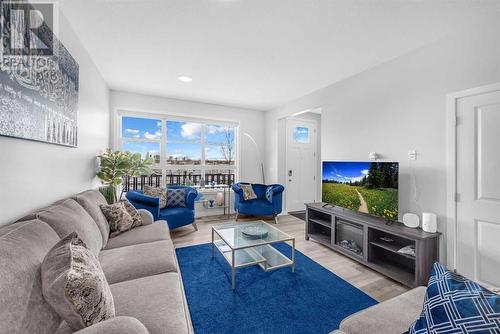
[453,304]
[176,197]
[269,194]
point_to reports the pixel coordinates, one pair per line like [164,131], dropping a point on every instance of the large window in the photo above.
[219,145]
[142,135]
[184,151]
[184,143]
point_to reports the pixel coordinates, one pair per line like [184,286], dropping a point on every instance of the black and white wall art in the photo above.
[39,94]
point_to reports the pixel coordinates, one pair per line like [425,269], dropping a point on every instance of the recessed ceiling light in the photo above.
[185,78]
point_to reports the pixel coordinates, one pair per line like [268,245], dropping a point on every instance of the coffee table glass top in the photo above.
[234,238]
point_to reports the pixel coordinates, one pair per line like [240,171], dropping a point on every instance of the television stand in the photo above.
[375,243]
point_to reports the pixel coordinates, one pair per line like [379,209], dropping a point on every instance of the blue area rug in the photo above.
[311,300]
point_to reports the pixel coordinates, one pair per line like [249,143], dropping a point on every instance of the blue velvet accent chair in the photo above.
[175,216]
[259,206]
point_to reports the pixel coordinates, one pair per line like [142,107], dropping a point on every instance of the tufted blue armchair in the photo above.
[175,216]
[259,206]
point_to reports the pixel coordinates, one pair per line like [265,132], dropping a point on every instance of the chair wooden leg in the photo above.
[275,216]
[236,217]
[195,226]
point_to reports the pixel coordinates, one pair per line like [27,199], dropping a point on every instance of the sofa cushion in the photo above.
[68,217]
[390,317]
[116,325]
[260,206]
[22,248]
[455,304]
[74,285]
[131,262]
[156,301]
[90,200]
[176,217]
[34,214]
[140,235]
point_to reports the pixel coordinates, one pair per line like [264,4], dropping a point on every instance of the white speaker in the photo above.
[411,220]
[429,222]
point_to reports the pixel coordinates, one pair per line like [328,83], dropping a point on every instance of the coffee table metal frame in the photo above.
[256,252]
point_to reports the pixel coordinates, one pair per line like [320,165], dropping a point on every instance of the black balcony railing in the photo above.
[138,182]
[155,180]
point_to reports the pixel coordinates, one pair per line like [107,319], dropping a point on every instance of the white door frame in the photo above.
[451,167]
[316,141]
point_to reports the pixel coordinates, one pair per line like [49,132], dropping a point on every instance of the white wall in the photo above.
[251,122]
[398,106]
[35,174]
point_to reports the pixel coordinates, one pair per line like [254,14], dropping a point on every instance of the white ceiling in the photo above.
[257,54]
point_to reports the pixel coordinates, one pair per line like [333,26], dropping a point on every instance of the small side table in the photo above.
[226,191]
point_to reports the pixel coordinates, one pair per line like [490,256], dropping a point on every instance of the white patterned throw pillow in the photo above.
[74,284]
[132,211]
[121,217]
[248,192]
[158,192]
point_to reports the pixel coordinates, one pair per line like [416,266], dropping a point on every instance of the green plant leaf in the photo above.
[114,165]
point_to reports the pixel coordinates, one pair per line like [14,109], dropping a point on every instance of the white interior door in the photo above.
[478,187]
[301,163]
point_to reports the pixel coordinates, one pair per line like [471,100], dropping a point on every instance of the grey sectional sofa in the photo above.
[394,316]
[140,266]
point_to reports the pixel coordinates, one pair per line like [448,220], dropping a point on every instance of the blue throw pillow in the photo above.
[269,194]
[455,304]
[176,197]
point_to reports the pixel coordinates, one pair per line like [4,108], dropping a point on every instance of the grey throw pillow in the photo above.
[119,216]
[176,197]
[161,193]
[248,192]
[74,284]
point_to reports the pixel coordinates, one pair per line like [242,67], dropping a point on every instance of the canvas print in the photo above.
[369,187]
[39,96]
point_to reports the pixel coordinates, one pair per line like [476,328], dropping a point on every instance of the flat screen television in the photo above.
[369,187]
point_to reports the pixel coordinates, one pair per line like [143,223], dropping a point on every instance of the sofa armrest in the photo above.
[116,325]
[146,216]
[191,195]
[139,197]
[237,189]
[393,316]
[161,221]
[141,201]
[277,189]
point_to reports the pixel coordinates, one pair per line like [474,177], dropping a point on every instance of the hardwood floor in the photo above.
[374,284]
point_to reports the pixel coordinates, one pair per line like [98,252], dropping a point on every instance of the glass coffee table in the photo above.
[241,250]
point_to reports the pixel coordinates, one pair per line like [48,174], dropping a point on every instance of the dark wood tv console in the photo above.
[374,242]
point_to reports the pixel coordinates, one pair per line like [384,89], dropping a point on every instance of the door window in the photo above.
[301,135]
